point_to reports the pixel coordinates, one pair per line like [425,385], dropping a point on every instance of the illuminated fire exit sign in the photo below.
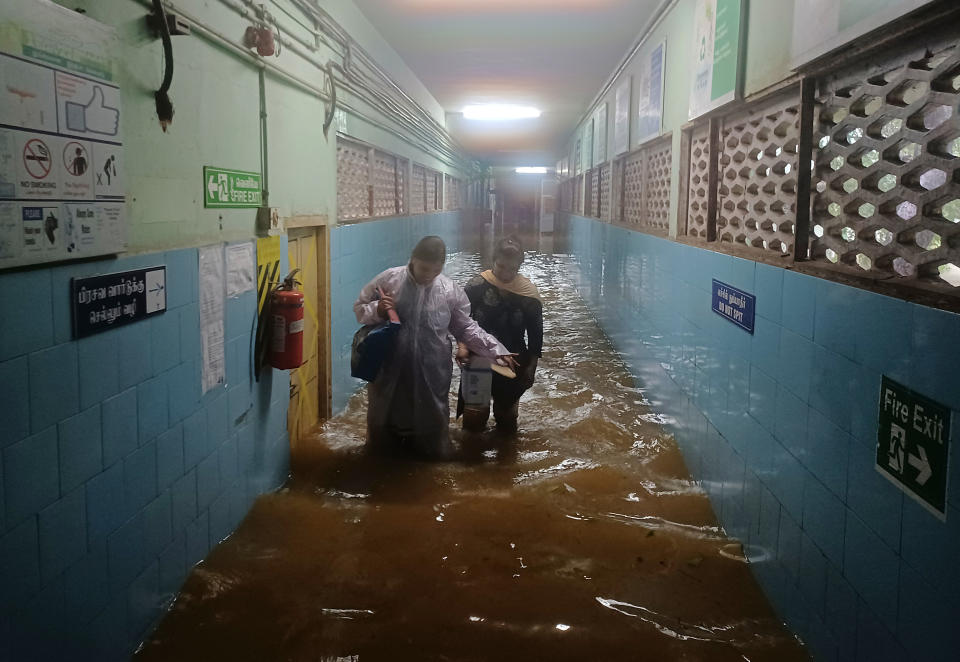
[913,443]
[231,188]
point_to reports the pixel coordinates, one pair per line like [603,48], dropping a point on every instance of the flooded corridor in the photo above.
[580,538]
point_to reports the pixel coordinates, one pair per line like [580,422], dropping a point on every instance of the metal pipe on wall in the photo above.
[235,48]
[355,50]
[264,144]
[416,117]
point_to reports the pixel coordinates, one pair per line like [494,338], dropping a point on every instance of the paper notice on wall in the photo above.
[211,316]
[716,55]
[586,151]
[650,94]
[61,143]
[239,269]
[600,134]
[621,118]
[9,229]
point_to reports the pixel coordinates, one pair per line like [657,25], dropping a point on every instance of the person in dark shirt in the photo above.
[409,401]
[508,306]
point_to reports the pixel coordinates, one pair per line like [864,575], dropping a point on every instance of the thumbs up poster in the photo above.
[61,151]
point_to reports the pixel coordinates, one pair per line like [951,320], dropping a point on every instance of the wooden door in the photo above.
[310,383]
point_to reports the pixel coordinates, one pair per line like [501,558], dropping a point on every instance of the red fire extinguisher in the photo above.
[286,319]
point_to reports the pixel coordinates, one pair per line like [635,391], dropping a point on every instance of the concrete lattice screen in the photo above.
[756,199]
[617,191]
[699,178]
[578,194]
[887,175]
[656,185]
[633,190]
[883,139]
[566,195]
[371,183]
[431,190]
[453,194]
[401,183]
[594,193]
[605,191]
[884,194]
[418,189]
[353,166]
[388,190]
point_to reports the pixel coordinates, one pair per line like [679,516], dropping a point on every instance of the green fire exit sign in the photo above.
[913,444]
[231,188]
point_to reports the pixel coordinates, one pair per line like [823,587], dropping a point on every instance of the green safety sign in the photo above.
[913,443]
[231,188]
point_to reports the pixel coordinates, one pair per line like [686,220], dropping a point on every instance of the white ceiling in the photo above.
[552,54]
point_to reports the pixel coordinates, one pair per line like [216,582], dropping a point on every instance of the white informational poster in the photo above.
[61,152]
[577,162]
[600,134]
[820,26]
[586,148]
[621,118]
[650,93]
[240,268]
[211,316]
[716,54]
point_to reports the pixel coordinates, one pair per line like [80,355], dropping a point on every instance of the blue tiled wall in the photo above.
[781,429]
[116,475]
[359,252]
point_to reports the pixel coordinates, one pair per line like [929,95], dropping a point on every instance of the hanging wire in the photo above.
[164,105]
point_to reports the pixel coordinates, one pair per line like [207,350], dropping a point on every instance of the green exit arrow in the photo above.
[212,188]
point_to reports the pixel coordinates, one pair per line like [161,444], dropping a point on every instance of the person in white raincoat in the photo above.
[409,399]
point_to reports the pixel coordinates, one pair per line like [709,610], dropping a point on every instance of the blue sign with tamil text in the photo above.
[100,303]
[736,305]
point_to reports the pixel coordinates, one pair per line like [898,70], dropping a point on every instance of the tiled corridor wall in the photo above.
[116,474]
[781,428]
[359,252]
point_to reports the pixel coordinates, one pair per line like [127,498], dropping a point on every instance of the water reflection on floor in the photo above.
[582,538]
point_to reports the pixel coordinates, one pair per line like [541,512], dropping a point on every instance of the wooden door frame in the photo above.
[324,351]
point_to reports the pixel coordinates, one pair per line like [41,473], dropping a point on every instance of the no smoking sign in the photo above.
[36,158]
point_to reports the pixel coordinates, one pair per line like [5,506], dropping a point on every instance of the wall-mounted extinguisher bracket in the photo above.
[285,324]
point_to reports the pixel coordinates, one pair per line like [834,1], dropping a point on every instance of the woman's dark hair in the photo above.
[510,248]
[430,249]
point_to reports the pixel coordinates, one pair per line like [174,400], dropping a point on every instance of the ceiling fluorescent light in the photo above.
[527,170]
[494,112]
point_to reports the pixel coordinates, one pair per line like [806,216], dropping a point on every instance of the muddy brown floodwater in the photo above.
[581,538]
